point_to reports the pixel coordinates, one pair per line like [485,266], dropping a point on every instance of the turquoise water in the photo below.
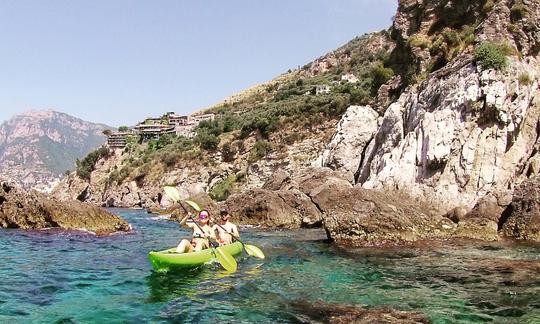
[73,277]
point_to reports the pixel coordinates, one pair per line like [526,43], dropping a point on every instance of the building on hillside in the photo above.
[153,131]
[349,77]
[322,89]
[177,120]
[118,140]
[185,130]
[196,119]
[155,127]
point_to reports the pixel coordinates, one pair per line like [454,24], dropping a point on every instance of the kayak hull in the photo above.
[167,260]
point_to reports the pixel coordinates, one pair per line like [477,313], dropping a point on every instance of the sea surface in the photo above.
[70,277]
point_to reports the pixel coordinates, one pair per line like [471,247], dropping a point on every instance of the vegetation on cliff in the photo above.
[261,121]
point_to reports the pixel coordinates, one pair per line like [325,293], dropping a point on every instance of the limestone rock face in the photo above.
[524,212]
[33,210]
[354,132]
[461,134]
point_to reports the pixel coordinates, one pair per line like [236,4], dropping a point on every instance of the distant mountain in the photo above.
[37,147]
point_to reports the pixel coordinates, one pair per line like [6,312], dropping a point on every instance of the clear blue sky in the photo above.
[117,62]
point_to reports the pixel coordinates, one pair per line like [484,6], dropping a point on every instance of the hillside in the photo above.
[442,107]
[38,147]
[283,123]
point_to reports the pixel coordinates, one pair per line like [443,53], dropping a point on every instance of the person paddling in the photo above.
[201,233]
[225,229]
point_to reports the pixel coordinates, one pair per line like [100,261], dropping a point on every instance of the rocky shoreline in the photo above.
[33,210]
[355,216]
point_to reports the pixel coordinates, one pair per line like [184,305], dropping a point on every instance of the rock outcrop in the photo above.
[523,215]
[280,208]
[33,210]
[353,215]
[354,132]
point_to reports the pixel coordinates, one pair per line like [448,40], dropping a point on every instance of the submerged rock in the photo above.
[33,210]
[338,313]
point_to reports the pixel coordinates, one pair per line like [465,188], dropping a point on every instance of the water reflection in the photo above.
[165,286]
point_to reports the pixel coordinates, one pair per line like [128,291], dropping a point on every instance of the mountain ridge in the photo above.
[37,146]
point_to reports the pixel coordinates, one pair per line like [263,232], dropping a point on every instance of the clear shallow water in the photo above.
[73,277]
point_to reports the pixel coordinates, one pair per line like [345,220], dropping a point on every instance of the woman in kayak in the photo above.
[201,233]
[225,229]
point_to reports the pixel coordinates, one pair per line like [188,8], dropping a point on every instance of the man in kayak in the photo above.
[201,233]
[225,229]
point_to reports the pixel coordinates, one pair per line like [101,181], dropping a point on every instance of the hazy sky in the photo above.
[117,62]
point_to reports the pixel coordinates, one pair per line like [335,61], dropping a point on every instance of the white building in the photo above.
[349,77]
[322,89]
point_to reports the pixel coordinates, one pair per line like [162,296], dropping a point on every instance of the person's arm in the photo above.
[235,232]
[184,222]
[212,233]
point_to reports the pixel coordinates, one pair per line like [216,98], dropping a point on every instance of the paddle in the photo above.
[225,259]
[250,249]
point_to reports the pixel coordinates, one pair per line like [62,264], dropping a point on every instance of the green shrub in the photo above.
[223,189]
[419,40]
[263,124]
[259,150]
[519,10]
[161,142]
[524,78]
[380,75]
[451,36]
[488,6]
[88,164]
[118,176]
[170,159]
[207,141]
[123,129]
[491,56]
[359,97]
[227,152]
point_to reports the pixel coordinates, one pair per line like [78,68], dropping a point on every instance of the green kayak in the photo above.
[170,260]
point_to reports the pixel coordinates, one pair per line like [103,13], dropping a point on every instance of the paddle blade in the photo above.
[172,193]
[194,205]
[226,260]
[254,251]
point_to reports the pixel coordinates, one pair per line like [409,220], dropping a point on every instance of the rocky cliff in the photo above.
[464,129]
[37,147]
